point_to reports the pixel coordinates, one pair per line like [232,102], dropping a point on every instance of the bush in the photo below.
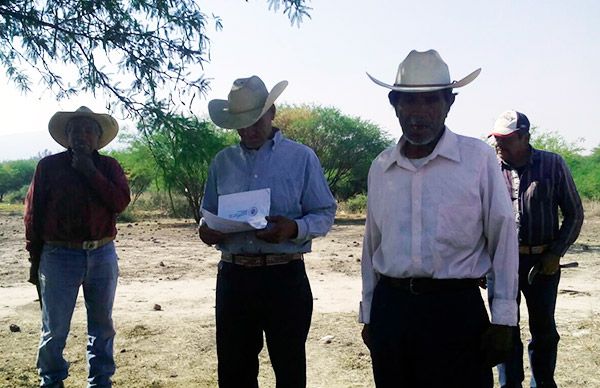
[127,216]
[17,196]
[357,204]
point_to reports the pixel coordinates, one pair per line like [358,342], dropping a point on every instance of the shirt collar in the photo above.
[447,148]
[270,143]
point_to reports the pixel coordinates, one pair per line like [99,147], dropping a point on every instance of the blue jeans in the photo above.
[540,297]
[62,271]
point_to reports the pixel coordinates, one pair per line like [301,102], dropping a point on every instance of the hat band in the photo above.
[424,85]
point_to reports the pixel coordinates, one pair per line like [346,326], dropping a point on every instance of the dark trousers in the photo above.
[540,297]
[276,300]
[428,340]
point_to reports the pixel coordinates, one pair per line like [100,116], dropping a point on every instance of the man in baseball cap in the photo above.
[540,184]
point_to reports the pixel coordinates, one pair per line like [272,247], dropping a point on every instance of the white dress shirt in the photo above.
[450,218]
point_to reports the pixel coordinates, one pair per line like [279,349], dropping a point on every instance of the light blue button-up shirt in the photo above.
[299,191]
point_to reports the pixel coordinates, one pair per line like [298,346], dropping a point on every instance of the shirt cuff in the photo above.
[364,312]
[504,312]
[302,230]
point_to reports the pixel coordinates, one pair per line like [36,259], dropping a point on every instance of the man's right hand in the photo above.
[365,336]
[210,236]
[497,344]
[33,273]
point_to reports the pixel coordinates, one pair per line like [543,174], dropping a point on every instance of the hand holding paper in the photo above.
[281,229]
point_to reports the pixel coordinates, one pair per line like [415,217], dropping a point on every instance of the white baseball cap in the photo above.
[510,122]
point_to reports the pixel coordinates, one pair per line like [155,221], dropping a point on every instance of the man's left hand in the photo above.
[550,263]
[496,344]
[282,229]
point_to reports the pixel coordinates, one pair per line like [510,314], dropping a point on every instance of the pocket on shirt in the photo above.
[459,227]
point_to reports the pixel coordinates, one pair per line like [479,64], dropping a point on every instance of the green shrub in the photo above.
[17,196]
[357,203]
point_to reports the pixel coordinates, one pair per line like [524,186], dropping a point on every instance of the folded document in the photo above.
[240,212]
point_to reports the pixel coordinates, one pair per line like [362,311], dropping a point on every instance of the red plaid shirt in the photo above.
[64,205]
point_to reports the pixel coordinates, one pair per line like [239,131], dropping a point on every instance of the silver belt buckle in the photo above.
[89,245]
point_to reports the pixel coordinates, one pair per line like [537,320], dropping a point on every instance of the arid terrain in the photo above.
[162,262]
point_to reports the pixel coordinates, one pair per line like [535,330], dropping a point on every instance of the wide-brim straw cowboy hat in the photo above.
[424,72]
[246,103]
[59,120]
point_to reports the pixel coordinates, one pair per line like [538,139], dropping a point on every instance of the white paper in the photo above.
[247,206]
[224,225]
[239,212]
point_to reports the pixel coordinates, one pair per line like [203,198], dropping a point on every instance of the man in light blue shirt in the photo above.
[261,283]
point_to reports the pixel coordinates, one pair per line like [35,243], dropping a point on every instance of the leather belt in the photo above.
[87,245]
[533,249]
[261,260]
[418,286]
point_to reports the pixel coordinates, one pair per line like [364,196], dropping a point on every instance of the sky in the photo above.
[541,58]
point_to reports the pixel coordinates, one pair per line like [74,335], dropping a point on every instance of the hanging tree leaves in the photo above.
[137,51]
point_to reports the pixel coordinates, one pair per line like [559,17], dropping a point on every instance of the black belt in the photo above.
[261,260]
[418,286]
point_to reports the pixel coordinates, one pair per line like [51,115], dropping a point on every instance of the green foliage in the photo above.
[182,149]
[345,145]
[15,174]
[17,196]
[138,164]
[555,142]
[585,169]
[357,204]
[130,49]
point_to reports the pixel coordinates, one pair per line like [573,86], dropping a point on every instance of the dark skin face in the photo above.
[513,149]
[255,135]
[83,135]
[422,117]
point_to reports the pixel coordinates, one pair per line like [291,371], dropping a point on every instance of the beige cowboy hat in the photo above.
[247,101]
[59,120]
[424,72]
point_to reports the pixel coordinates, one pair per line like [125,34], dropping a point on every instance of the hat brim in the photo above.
[59,120]
[503,132]
[223,118]
[428,88]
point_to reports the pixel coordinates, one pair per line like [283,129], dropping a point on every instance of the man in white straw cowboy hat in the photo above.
[439,219]
[70,215]
[261,283]
[541,184]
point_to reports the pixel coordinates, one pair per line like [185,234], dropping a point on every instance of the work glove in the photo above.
[496,344]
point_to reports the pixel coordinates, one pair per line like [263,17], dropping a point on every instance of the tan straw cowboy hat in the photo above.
[424,72]
[59,120]
[247,101]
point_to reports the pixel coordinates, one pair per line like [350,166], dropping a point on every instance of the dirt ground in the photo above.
[163,262]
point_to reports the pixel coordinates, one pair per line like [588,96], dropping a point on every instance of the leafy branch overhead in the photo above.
[137,51]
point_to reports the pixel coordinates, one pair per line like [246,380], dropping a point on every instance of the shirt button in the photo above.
[251,241]
[255,175]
